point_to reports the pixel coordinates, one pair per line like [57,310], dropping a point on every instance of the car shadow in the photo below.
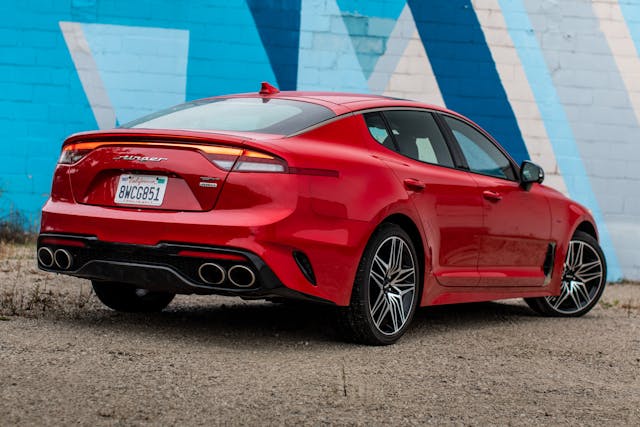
[471,313]
[245,324]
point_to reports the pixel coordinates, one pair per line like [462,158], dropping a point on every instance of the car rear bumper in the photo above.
[268,237]
[165,267]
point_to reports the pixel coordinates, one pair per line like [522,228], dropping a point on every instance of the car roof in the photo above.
[342,102]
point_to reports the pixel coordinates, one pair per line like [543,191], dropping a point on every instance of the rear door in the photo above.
[517,222]
[448,200]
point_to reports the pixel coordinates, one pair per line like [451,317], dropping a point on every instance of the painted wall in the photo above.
[554,81]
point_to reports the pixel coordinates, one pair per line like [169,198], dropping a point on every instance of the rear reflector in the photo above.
[56,241]
[315,172]
[212,255]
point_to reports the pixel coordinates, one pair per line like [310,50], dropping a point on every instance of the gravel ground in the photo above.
[64,359]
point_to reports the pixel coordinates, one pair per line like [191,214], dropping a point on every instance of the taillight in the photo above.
[222,157]
[249,161]
[73,153]
[253,161]
[225,158]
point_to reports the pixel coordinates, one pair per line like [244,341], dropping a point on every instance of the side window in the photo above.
[417,136]
[378,130]
[482,155]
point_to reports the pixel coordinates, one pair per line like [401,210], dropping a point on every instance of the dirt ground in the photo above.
[64,359]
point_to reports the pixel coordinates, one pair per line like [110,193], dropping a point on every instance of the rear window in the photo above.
[275,116]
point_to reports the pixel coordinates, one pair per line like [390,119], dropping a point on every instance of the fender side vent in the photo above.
[305,266]
[547,267]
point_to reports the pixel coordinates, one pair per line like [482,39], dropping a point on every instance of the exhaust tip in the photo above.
[63,259]
[45,256]
[242,276]
[211,274]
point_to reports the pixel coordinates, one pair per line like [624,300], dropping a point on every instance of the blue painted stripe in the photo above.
[278,22]
[556,122]
[464,68]
[390,9]
[631,12]
[226,54]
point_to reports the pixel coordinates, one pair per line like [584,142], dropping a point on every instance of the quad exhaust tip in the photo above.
[211,274]
[63,259]
[241,276]
[45,256]
[60,258]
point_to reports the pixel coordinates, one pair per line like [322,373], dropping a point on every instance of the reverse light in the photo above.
[253,161]
[248,161]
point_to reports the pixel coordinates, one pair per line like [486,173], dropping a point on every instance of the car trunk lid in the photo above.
[151,171]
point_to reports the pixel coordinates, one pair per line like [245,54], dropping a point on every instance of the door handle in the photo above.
[414,184]
[492,196]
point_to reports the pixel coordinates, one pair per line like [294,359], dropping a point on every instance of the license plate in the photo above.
[145,190]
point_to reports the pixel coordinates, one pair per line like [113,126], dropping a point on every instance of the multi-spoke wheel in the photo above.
[123,297]
[583,280]
[385,292]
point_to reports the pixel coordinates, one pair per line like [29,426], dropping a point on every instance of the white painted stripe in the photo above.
[327,59]
[518,90]
[396,45]
[89,76]
[618,36]
[404,71]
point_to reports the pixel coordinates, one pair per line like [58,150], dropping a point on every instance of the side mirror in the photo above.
[530,173]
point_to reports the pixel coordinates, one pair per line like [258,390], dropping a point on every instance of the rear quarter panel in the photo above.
[348,203]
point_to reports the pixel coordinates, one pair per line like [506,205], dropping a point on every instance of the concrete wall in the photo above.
[554,81]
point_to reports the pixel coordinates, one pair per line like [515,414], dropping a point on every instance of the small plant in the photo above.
[10,302]
[624,281]
[609,304]
[14,228]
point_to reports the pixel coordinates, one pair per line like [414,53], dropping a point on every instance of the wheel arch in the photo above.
[588,228]
[410,227]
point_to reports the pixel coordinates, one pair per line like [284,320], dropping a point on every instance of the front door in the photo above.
[517,222]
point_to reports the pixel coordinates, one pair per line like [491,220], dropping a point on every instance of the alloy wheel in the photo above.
[582,278]
[392,285]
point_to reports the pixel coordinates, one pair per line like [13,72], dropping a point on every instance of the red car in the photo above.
[372,204]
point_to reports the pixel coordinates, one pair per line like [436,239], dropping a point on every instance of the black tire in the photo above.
[584,278]
[357,320]
[128,298]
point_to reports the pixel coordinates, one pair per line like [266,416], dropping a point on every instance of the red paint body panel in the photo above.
[517,233]
[342,186]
